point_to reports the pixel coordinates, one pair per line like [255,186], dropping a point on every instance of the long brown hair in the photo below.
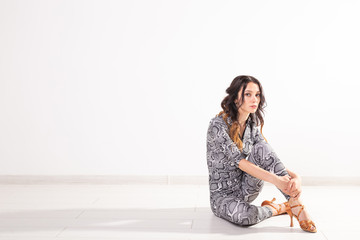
[230,110]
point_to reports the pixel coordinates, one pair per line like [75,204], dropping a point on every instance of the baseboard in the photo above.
[159,179]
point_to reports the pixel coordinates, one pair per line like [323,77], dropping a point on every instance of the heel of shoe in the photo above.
[273,205]
[289,212]
[291,218]
[268,202]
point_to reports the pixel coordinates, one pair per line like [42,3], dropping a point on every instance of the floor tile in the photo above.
[80,211]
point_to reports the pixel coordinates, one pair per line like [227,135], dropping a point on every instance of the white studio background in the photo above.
[129,87]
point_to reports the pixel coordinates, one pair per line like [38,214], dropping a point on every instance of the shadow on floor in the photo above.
[183,220]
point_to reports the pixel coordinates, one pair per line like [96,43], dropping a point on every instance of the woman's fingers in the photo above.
[293,186]
[295,194]
[288,186]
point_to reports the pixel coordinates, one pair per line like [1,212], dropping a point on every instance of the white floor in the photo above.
[161,212]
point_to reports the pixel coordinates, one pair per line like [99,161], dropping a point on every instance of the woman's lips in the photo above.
[253,106]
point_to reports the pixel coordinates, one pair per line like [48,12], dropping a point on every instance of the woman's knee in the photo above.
[262,146]
[249,217]
[242,213]
[263,155]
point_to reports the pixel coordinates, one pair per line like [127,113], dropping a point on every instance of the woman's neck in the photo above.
[242,119]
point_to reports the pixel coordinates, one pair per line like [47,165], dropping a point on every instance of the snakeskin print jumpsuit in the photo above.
[231,189]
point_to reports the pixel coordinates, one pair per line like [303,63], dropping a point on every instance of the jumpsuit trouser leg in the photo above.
[237,208]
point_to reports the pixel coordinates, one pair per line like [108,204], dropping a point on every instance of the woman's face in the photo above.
[251,99]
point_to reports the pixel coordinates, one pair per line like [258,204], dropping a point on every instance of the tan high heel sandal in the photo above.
[304,224]
[271,204]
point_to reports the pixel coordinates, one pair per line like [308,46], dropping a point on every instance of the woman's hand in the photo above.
[294,187]
[282,183]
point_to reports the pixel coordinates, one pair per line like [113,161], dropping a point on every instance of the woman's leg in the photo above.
[234,209]
[250,187]
[237,208]
[264,156]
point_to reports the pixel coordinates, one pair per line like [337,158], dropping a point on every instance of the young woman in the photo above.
[240,159]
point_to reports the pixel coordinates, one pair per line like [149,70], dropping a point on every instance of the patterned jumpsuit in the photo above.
[231,189]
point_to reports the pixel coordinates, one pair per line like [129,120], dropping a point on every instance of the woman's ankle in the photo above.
[293,201]
[273,211]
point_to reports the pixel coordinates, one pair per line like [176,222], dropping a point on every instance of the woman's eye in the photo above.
[248,94]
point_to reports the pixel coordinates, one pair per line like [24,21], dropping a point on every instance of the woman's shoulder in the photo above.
[219,121]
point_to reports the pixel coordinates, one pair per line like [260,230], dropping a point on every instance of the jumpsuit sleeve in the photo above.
[221,145]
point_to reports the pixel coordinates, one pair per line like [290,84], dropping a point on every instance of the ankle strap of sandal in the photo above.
[301,209]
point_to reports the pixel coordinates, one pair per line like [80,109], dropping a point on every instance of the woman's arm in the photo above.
[280,182]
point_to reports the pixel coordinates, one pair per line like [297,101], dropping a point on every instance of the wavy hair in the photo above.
[230,110]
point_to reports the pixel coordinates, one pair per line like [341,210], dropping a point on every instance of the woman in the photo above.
[240,159]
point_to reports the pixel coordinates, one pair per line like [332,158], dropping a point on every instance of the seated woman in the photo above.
[240,159]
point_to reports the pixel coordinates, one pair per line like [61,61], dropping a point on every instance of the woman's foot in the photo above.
[304,217]
[276,209]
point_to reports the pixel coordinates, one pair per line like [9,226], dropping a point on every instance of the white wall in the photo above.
[129,87]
